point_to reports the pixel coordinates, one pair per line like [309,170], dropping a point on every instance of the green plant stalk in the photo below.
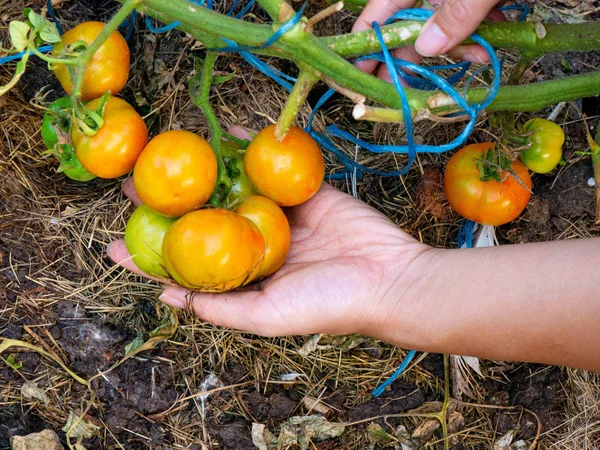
[508,35]
[202,100]
[49,59]
[304,83]
[314,52]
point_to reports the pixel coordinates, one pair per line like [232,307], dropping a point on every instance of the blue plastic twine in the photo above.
[50,9]
[381,389]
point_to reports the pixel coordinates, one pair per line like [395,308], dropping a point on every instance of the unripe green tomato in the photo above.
[58,115]
[547,141]
[144,239]
[241,187]
[56,129]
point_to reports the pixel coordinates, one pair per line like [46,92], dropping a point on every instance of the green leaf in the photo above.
[49,33]
[19,32]
[21,65]
[134,345]
[34,19]
[12,362]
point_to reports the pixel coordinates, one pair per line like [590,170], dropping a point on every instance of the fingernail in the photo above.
[432,40]
[168,300]
[108,248]
[473,58]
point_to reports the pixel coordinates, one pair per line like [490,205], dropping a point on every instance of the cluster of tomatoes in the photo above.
[245,235]
[174,233]
[485,186]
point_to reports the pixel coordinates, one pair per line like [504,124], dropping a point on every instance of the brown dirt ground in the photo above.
[60,292]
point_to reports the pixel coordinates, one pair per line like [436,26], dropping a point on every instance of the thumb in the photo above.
[452,24]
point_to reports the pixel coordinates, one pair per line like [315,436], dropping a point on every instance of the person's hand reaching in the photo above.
[342,275]
[452,23]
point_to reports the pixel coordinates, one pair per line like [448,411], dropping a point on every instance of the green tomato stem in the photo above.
[201,97]
[49,59]
[304,83]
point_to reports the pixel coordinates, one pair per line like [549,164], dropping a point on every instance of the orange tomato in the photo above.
[113,150]
[108,69]
[274,226]
[487,202]
[288,172]
[176,173]
[213,250]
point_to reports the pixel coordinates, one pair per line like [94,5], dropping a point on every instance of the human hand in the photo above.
[453,22]
[348,268]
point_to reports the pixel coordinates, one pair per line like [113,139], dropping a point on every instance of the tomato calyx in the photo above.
[90,121]
[493,164]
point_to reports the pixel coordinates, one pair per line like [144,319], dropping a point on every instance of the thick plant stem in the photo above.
[314,52]
[509,35]
[200,94]
[304,83]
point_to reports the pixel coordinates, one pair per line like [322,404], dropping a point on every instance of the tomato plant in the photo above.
[213,250]
[547,141]
[233,158]
[55,134]
[108,69]
[274,226]
[176,173]
[144,238]
[289,171]
[114,149]
[482,186]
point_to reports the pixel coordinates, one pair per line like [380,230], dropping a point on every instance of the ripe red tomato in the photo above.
[274,226]
[108,69]
[176,173]
[213,250]
[288,172]
[144,237]
[494,201]
[113,150]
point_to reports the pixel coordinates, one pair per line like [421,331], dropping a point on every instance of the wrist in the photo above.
[409,315]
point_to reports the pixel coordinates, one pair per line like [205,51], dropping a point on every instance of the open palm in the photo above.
[345,258]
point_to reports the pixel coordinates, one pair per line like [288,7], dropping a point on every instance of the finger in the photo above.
[452,24]
[239,132]
[242,310]
[129,191]
[377,11]
[117,251]
[471,53]
[405,53]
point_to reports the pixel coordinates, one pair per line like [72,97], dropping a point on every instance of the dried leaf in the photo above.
[302,431]
[31,390]
[504,442]
[455,422]
[310,345]
[262,438]
[473,363]
[44,440]
[290,376]
[79,428]
[315,405]
[425,431]
[520,445]
[430,193]
[377,435]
